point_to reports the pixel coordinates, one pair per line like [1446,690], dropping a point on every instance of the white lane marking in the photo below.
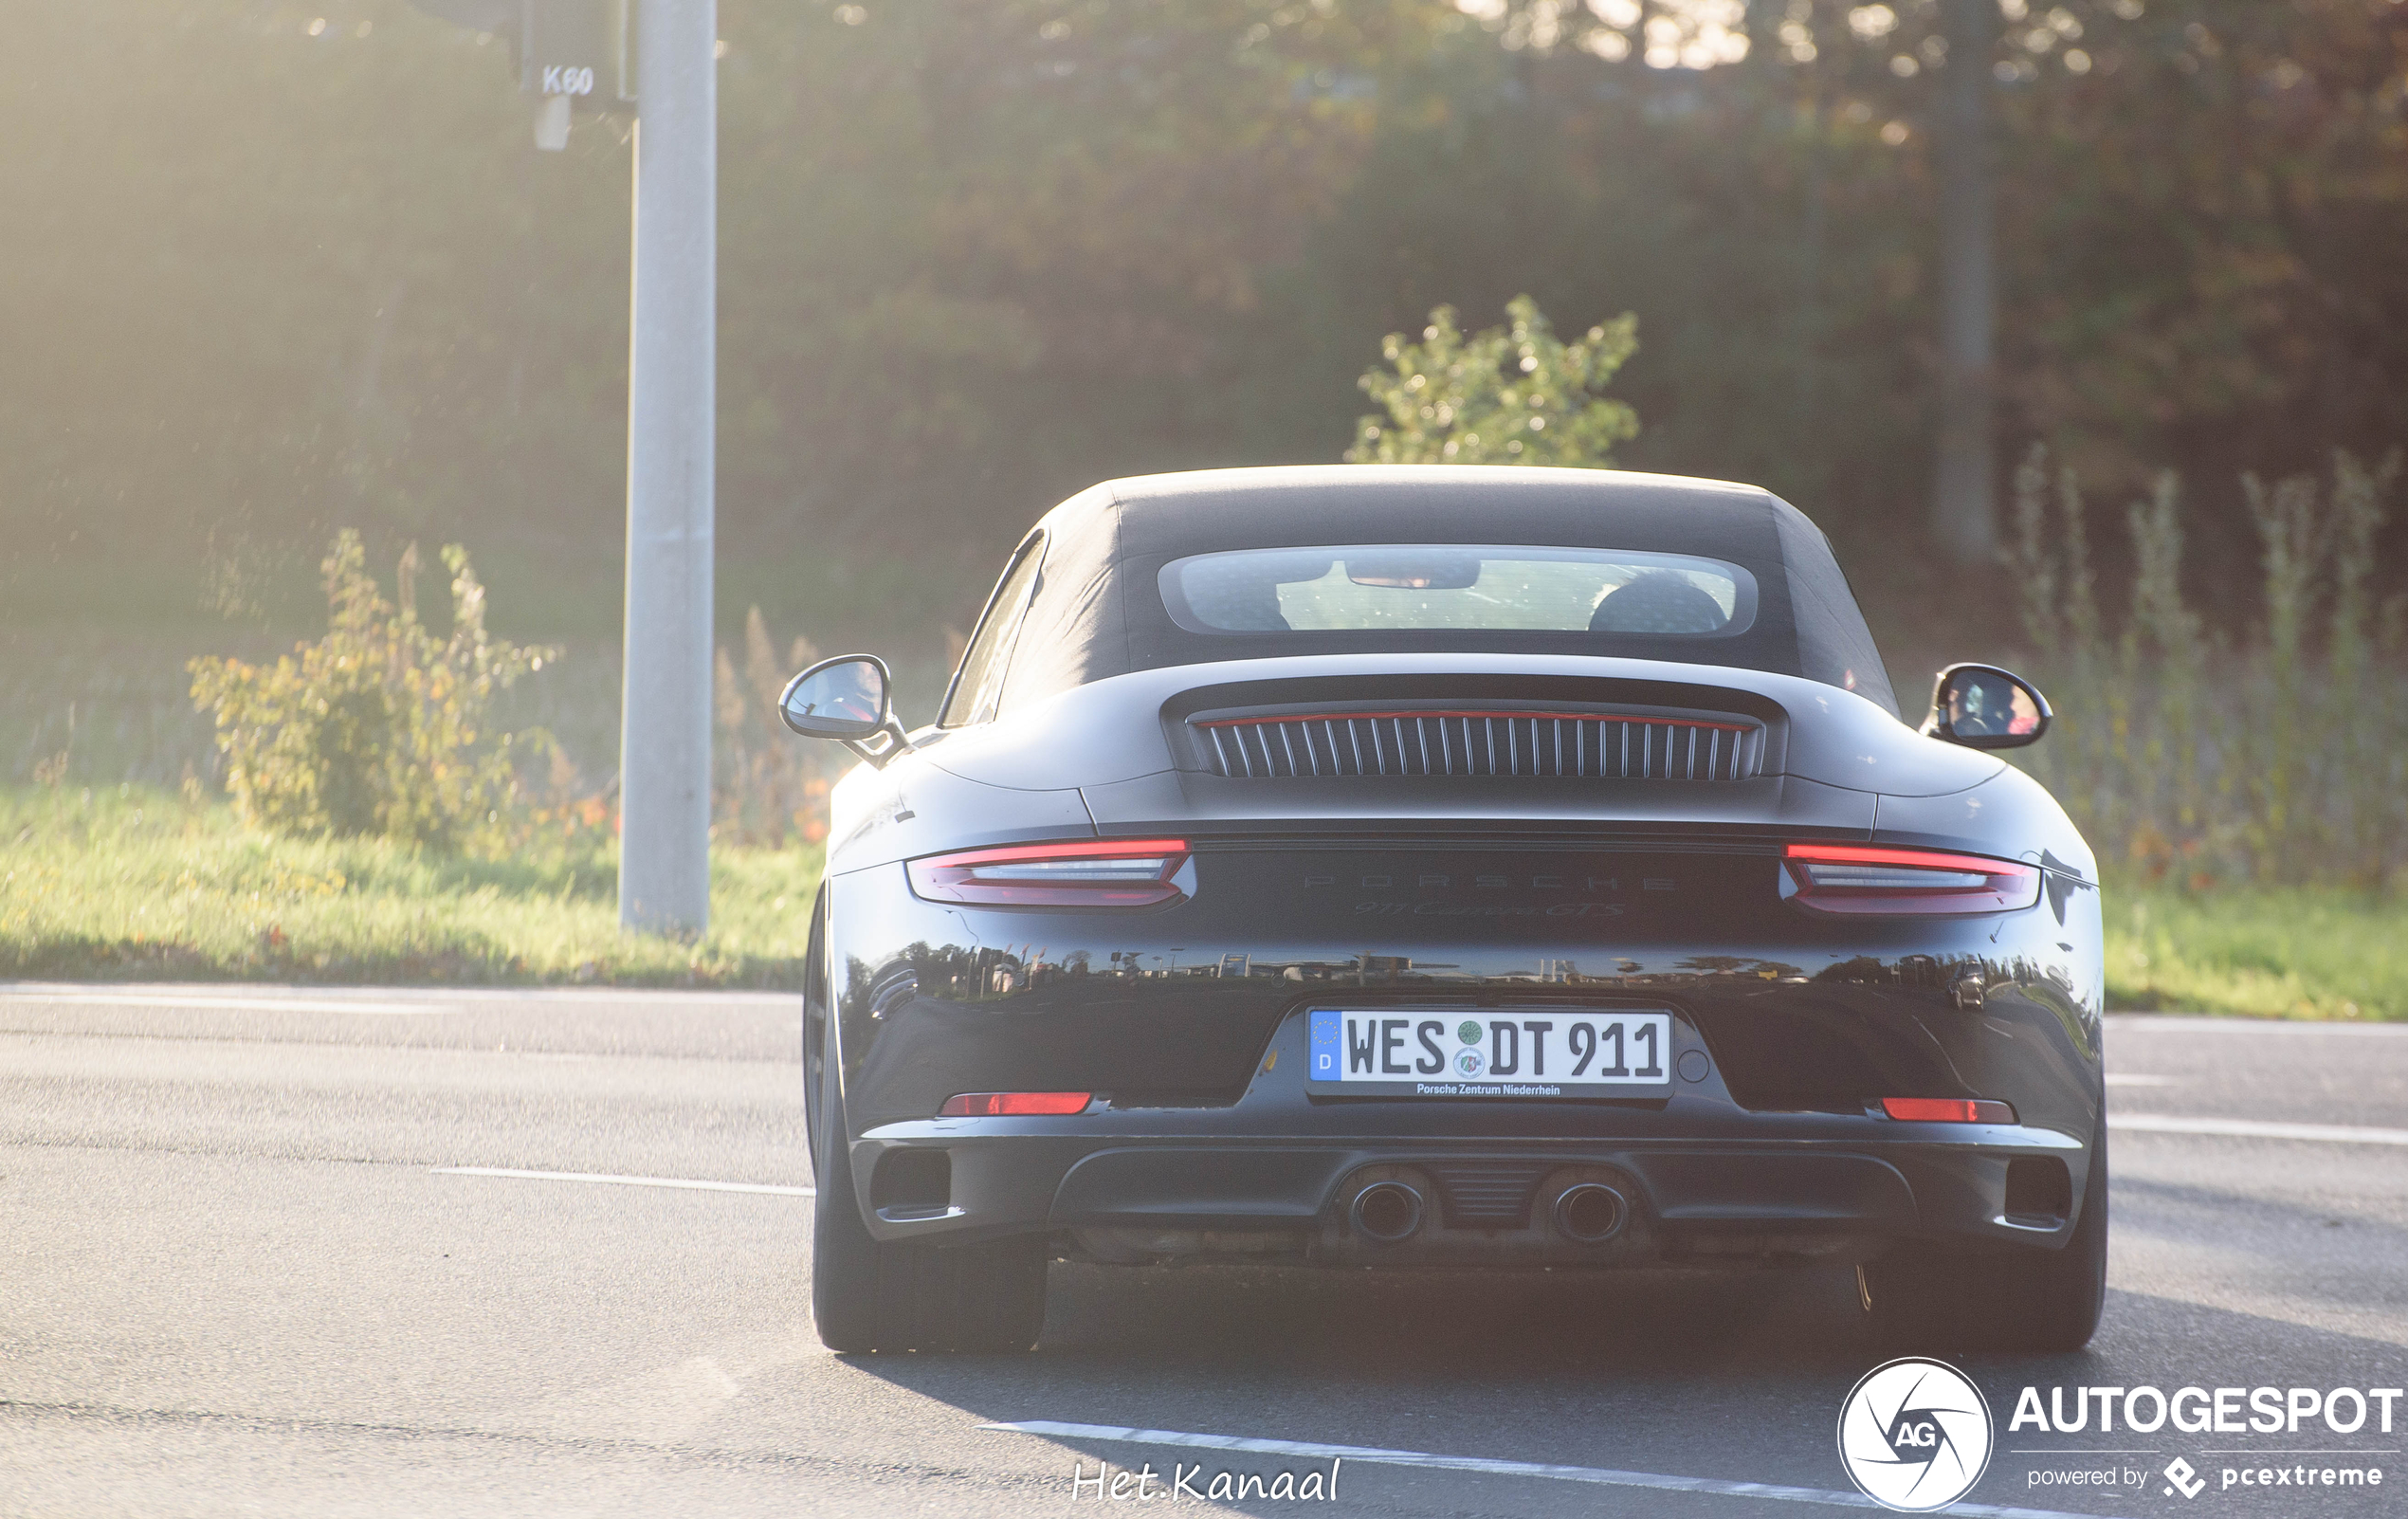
[238,1004]
[2184,1023]
[2116,1079]
[2252,1128]
[623,1181]
[1372,1455]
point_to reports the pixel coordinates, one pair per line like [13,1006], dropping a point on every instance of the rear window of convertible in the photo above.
[1398,587]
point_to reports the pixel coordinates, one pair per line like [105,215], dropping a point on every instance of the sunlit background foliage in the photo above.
[1515,395]
[278,268]
[276,271]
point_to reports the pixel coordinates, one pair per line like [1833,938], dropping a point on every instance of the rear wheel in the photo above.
[866,1295]
[1927,1298]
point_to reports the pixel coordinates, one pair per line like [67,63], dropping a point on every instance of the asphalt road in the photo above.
[241,1272]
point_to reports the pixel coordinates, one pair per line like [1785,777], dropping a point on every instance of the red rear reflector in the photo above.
[1948,1110]
[1856,878]
[1012,1104]
[1083,873]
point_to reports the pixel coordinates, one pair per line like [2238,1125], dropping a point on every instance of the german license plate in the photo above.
[1485,1052]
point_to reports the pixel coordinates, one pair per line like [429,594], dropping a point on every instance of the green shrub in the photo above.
[1515,395]
[380,727]
[2267,746]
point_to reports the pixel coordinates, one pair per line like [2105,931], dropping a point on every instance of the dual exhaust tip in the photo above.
[1387,1212]
[1590,1212]
[1390,1213]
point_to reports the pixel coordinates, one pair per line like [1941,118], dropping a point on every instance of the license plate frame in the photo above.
[1550,1052]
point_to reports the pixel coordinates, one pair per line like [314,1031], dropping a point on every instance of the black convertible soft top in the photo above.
[1098,608]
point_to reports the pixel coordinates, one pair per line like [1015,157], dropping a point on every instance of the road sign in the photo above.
[577,49]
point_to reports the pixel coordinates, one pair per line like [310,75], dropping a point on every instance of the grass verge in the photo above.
[2302,952]
[130,882]
[134,883]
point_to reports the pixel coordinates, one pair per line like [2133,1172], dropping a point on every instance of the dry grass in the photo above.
[2263,745]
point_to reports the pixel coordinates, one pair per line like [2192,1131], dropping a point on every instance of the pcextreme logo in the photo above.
[2180,1474]
[1915,1435]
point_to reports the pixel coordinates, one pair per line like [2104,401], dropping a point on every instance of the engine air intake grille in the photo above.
[1530,744]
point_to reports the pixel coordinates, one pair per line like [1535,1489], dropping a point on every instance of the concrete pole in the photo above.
[664,737]
[1964,488]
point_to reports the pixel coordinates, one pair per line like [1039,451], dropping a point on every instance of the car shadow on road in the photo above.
[1734,1376]
[1379,1324]
[1646,1370]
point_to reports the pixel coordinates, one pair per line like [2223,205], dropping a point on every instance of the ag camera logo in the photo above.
[1915,1435]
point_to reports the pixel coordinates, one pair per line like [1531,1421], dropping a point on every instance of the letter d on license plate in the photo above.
[1548,1051]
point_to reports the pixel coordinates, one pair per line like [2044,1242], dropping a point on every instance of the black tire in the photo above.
[867,1296]
[815,980]
[1924,1298]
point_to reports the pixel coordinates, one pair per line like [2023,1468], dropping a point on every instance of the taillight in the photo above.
[1844,878]
[1012,1104]
[1088,873]
[1947,1110]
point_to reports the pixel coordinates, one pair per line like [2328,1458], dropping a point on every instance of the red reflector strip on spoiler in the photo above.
[1482,713]
[1948,1110]
[1012,1104]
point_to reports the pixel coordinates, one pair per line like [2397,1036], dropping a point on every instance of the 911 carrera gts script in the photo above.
[1489,909]
[1431,880]
[1460,1052]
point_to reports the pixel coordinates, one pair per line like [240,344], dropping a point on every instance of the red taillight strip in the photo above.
[1472,712]
[1919,884]
[1014,1104]
[1095,849]
[1948,1110]
[1151,878]
[1922,859]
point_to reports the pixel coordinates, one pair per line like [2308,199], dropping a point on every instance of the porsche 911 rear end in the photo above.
[1394,1023]
[1453,958]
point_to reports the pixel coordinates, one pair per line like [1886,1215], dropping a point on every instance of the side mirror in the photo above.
[849,698]
[1983,706]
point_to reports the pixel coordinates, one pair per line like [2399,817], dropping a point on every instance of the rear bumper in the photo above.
[1692,1204]
[1705,1183]
[1188,1024]
[1175,1009]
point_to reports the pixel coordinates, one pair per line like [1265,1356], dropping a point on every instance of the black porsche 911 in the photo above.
[1446,867]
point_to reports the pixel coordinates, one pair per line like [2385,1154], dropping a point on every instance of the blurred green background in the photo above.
[268,271]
